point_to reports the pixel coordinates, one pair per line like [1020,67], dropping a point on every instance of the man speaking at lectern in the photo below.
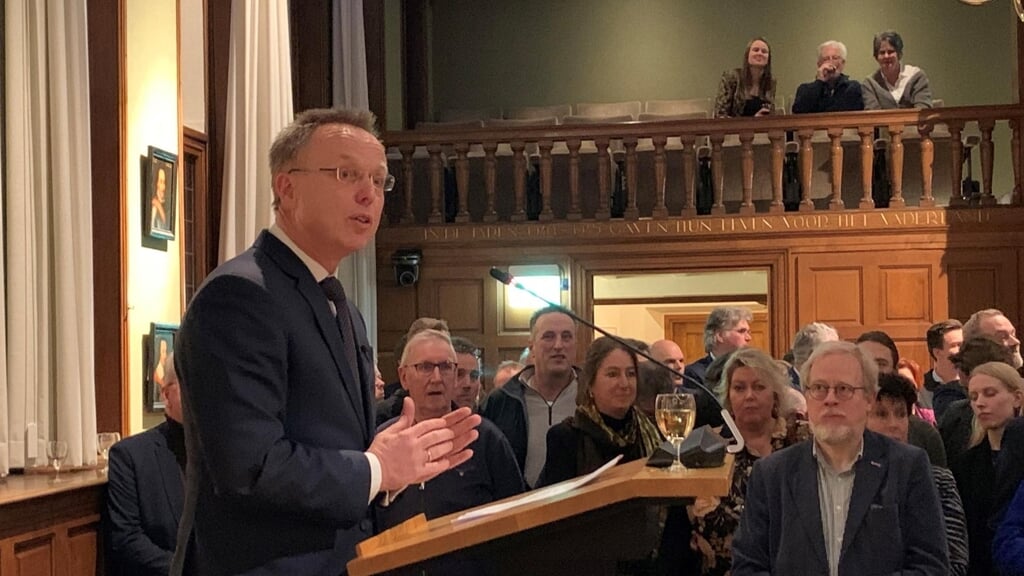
[277,374]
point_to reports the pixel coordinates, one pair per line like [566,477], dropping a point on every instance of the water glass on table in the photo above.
[57,452]
[104,441]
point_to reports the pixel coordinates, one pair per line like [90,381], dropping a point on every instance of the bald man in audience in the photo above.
[668,353]
[505,371]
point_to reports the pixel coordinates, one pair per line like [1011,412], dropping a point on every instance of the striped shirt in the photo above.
[834,491]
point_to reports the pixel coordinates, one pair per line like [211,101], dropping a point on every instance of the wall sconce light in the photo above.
[544,279]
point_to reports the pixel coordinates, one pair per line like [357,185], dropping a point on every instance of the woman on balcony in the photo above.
[750,90]
[895,84]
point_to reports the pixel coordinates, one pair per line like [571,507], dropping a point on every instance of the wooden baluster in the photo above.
[927,160]
[836,135]
[747,146]
[717,174]
[545,179]
[689,175]
[896,165]
[632,210]
[490,180]
[603,179]
[956,152]
[806,167]
[987,149]
[407,150]
[519,180]
[1015,159]
[436,181]
[867,158]
[574,178]
[660,211]
[778,140]
[462,180]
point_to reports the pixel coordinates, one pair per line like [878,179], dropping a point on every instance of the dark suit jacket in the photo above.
[145,496]
[697,369]
[894,521]
[277,420]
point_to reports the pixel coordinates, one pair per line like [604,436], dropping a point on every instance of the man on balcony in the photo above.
[831,91]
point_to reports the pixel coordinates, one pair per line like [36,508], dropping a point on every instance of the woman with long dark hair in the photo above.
[750,89]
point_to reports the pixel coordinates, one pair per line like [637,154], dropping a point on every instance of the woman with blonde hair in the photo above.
[995,391]
[756,392]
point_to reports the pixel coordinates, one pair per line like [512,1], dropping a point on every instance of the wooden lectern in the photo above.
[585,531]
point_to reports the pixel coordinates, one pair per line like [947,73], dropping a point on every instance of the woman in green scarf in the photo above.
[606,422]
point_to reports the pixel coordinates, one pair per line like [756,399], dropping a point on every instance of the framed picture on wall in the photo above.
[159,194]
[158,344]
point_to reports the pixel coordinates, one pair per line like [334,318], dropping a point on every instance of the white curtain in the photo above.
[358,272]
[259,105]
[46,345]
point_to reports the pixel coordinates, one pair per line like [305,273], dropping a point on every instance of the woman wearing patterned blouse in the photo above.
[754,390]
[749,90]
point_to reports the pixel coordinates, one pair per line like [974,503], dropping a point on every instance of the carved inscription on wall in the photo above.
[730,225]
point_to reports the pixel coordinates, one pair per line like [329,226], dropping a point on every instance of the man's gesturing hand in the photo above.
[410,453]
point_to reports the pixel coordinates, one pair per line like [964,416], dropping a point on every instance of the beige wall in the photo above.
[533,52]
[151,108]
[193,70]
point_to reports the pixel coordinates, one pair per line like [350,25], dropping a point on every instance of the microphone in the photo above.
[509,280]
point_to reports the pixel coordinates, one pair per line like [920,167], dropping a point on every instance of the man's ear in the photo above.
[402,370]
[282,186]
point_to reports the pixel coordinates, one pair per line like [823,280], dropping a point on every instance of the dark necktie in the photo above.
[336,293]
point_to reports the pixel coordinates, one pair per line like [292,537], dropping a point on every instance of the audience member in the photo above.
[146,493]
[750,89]
[808,338]
[651,380]
[428,371]
[831,90]
[956,422]
[881,347]
[877,509]
[668,353]
[605,423]
[1008,545]
[894,84]
[504,372]
[726,329]
[891,416]
[757,397]
[995,391]
[467,375]
[911,370]
[994,324]
[378,384]
[943,339]
[394,395]
[541,395]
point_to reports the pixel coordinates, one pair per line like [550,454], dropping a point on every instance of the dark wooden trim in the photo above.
[759,298]
[415,62]
[106,118]
[195,144]
[218,46]
[1020,60]
[376,68]
[310,22]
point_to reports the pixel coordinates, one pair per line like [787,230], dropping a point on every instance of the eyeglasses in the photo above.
[833,58]
[843,391]
[473,374]
[348,175]
[445,367]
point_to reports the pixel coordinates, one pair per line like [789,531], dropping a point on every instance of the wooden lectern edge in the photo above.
[414,541]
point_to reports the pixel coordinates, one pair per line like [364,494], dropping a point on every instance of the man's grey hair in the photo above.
[868,367]
[810,337]
[832,44]
[427,334]
[722,319]
[294,137]
[972,327]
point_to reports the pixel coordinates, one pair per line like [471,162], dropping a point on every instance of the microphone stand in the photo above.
[509,280]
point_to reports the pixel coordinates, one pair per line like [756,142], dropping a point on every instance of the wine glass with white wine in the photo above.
[675,414]
[57,452]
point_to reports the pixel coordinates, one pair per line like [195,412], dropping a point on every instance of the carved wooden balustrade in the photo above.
[646,151]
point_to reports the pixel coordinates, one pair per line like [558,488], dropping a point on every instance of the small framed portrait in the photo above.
[159,345]
[159,195]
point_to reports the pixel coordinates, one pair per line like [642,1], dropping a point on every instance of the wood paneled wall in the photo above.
[872,278]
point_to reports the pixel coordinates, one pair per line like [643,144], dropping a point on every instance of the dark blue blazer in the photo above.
[894,524]
[698,369]
[145,496]
[277,421]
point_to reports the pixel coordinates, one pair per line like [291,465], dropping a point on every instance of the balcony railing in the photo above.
[485,174]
